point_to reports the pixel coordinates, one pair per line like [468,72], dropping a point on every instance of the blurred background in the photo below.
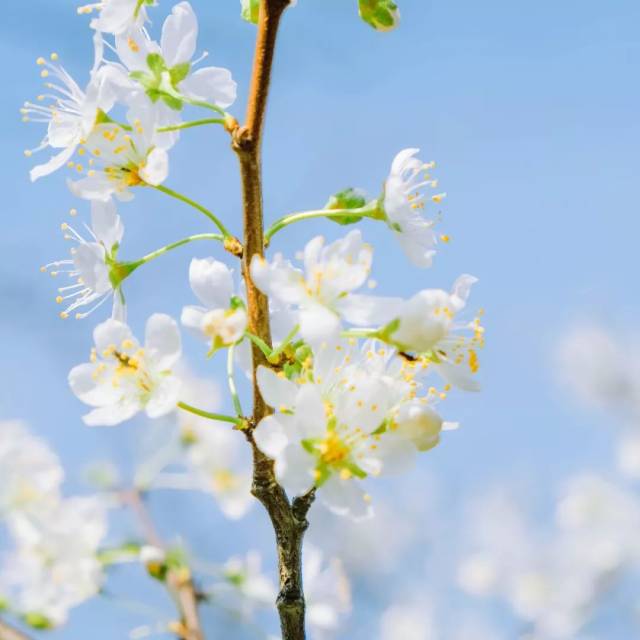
[521,523]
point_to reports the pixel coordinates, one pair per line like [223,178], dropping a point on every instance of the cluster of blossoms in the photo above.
[348,376]
[344,408]
[554,580]
[54,564]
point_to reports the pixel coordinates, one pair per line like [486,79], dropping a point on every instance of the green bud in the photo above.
[347,199]
[37,620]
[382,15]
[249,10]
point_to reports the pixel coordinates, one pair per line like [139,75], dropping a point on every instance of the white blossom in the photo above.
[222,319]
[215,452]
[119,159]
[427,324]
[117,16]
[327,593]
[166,71]
[403,203]
[69,112]
[410,621]
[30,473]
[54,566]
[123,377]
[244,589]
[340,424]
[323,293]
[92,267]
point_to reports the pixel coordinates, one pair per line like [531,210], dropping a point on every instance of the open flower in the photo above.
[69,112]
[55,565]
[222,319]
[327,593]
[93,266]
[403,203]
[427,325]
[214,453]
[331,432]
[323,292]
[30,473]
[119,159]
[165,71]
[124,378]
[117,16]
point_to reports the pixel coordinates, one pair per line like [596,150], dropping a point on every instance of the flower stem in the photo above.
[174,245]
[232,383]
[368,211]
[178,196]
[192,123]
[211,416]
[275,354]
[206,105]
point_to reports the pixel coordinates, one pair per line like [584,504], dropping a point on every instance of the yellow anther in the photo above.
[59,299]
[345,474]
[73,212]
[54,56]
[28,153]
[445,238]
[40,61]
[64,315]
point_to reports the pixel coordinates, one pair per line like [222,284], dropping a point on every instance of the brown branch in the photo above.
[288,520]
[8,632]
[179,582]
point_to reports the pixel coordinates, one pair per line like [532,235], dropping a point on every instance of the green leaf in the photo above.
[4,604]
[382,15]
[171,101]
[156,63]
[249,10]
[179,72]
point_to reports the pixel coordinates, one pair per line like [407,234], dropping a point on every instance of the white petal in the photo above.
[53,164]
[366,310]
[310,413]
[111,333]
[212,282]
[164,397]
[97,187]
[111,415]
[106,223]
[86,387]
[162,341]
[270,437]
[211,84]
[295,468]
[156,169]
[458,375]
[345,497]
[399,162]
[319,324]
[192,317]
[461,290]
[277,392]
[278,278]
[179,35]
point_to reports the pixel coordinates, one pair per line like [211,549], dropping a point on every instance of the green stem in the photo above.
[174,245]
[192,123]
[260,343]
[195,205]
[370,210]
[284,344]
[360,333]
[211,416]
[206,105]
[232,383]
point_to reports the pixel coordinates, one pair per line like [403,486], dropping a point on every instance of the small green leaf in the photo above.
[179,72]
[249,10]
[156,63]
[382,15]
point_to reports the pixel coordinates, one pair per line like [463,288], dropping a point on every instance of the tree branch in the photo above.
[179,584]
[288,520]
[7,632]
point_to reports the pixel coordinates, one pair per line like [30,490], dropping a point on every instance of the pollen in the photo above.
[40,61]
[64,315]
[54,56]
[59,299]
[445,238]
[28,153]
[133,45]
[73,212]
[44,73]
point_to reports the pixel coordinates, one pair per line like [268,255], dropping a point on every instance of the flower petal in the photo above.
[277,391]
[211,84]
[164,397]
[179,35]
[270,437]
[111,415]
[162,341]
[212,282]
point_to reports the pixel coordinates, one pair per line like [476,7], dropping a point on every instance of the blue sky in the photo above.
[529,109]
